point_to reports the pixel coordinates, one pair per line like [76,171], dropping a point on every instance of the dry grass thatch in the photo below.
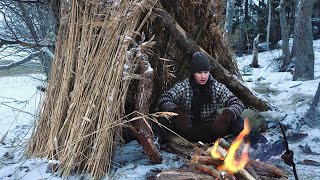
[77,124]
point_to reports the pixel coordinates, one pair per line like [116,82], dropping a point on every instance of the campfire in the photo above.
[224,161]
[231,164]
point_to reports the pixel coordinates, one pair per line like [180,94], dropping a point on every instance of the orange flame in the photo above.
[231,164]
[214,152]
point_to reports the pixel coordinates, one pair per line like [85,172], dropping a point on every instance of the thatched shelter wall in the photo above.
[84,104]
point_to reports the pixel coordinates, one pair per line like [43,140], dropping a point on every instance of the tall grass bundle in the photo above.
[77,124]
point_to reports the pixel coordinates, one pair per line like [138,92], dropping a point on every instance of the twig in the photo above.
[289,151]
[14,64]
[18,109]
[295,85]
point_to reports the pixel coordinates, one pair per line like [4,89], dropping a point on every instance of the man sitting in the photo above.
[196,100]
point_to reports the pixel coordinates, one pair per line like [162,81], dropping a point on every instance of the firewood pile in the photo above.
[201,165]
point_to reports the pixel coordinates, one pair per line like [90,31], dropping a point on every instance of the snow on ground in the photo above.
[289,99]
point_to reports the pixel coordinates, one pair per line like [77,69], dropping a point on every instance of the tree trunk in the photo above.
[254,62]
[285,37]
[230,12]
[304,54]
[55,7]
[246,11]
[312,115]
[269,24]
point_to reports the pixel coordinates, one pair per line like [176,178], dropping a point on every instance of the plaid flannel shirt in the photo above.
[181,95]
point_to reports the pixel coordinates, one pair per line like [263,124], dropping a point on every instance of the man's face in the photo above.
[201,77]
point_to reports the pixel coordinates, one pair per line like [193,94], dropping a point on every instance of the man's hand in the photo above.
[182,122]
[221,123]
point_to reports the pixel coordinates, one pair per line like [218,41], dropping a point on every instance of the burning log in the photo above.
[226,160]
[261,168]
[243,172]
[252,170]
[207,169]
[206,160]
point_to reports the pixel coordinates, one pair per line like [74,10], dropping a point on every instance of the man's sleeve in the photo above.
[229,100]
[169,100]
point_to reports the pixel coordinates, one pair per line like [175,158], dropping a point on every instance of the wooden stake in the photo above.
[141,127]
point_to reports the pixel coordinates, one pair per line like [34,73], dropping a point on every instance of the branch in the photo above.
[288,155]
[22,43]
[20,110]
[6,42]
[29,1]
[14,64]
[43,50]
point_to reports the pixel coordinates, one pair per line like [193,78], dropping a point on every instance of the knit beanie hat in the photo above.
[199,62]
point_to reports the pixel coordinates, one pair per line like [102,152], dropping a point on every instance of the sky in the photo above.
[290,100]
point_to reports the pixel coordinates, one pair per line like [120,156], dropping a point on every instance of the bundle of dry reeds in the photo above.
[80,113]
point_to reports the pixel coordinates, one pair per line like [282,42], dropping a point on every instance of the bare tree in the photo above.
[269,24]
[303,54]
[230,12]
[27,26]
[284,36]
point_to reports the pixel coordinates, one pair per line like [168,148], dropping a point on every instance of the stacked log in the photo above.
[200,165]
[254,169]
